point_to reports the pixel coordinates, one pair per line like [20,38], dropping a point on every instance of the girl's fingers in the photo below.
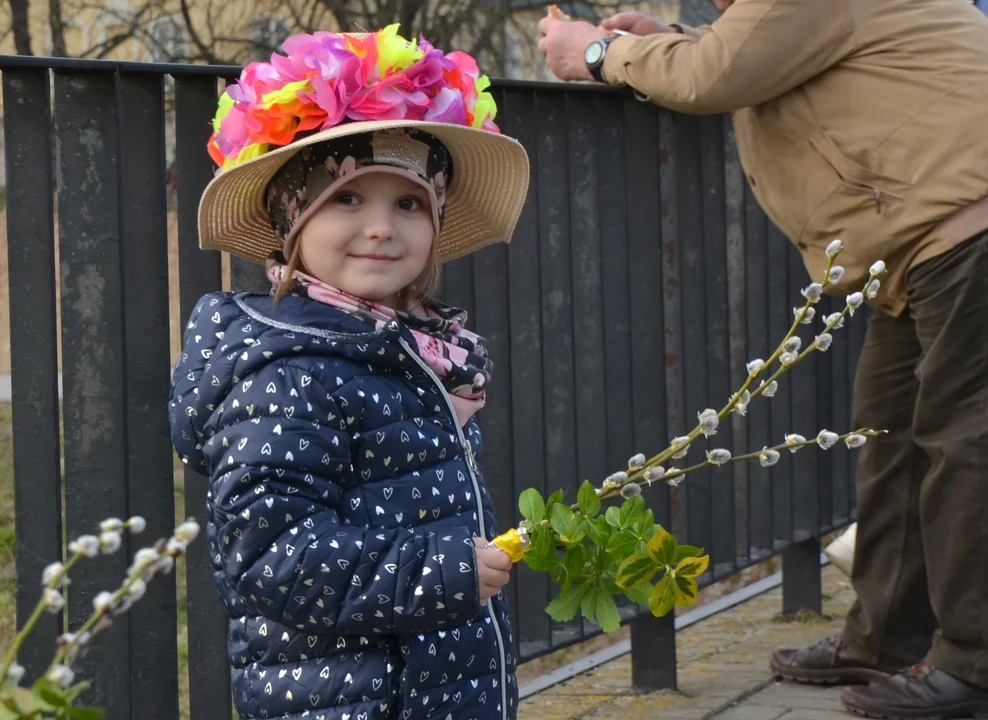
[489,588]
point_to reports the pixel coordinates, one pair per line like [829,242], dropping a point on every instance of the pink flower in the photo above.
[384,100]
[448,107]
[233,135]
[427,73]
[463,76]
[255,80]
[331,97]
[319,55]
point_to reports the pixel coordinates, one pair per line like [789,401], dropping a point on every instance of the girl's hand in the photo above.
[493,568]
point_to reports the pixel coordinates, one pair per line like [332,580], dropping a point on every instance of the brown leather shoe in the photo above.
[826,663]
[921,692]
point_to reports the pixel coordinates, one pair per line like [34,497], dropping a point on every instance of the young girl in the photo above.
[348,521]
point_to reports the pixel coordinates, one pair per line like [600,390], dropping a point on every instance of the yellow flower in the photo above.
[395,53]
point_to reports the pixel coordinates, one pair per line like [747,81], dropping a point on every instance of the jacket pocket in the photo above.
[856,179]
[864,209]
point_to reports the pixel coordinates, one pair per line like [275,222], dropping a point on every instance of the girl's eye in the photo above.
[411,203]
[347,198]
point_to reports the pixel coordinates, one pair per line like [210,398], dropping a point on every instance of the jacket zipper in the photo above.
[471,467]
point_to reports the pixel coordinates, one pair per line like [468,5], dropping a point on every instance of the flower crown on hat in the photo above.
[325,79]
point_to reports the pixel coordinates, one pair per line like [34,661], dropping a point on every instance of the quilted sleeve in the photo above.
[199,340]
[281,475]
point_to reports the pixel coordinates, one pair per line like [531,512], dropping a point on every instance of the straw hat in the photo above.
[491,171]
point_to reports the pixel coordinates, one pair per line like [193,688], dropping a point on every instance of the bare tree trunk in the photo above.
[19,14]
[697,12]
[407,13]
[57,33]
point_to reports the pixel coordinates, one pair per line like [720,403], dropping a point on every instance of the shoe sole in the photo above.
[829,676]
[953,713]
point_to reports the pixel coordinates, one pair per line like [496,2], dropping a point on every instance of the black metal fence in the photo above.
[641,279]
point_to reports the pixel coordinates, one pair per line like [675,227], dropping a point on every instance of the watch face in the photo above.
[593,53]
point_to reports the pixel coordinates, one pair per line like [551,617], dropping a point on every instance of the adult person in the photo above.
[867,120]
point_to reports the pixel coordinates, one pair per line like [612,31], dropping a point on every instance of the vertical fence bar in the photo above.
[27,126]
[782,297]
[694,292]
[856,338]
[93,359]
[493,319]
[760,345]
[246,276]
[613,222]
[722,549]
[587,325]
[611,192]
[672,310]
[615,288]
[150,469]
[457,287]
[801,580]
[646,245]
[823,373]
[734,199]
[557,309]
[199,272]
[805,417]
[841,412]
[533,590]
[653,640]
[653,653]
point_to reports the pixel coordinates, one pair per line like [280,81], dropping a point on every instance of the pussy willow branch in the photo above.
[39,610]
[87,627]
[613,488]
[676,473]
[831,325]
[666,454]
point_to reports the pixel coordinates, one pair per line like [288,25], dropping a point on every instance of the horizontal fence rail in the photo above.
[641,279]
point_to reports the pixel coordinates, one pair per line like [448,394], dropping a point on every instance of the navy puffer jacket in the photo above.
[343,503]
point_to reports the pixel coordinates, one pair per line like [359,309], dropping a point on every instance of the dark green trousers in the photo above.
[921,555]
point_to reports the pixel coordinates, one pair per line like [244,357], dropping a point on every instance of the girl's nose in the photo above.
[379,222]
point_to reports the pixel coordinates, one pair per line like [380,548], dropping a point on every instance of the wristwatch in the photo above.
[594,55]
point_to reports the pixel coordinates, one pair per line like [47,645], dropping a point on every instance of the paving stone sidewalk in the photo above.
[723,671]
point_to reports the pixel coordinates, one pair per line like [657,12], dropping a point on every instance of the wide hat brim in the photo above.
[483,201]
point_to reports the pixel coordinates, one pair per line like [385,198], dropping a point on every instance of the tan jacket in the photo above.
[864,120]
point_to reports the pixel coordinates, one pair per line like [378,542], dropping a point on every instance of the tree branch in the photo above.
[57,28]
[205,51]
[20,11]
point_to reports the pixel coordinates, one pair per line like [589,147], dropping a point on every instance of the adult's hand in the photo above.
[635,23]
[563,43]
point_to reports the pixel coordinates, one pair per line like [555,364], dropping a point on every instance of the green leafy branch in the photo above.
[597,557]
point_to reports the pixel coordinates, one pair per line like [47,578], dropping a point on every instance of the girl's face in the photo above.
[370,239]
